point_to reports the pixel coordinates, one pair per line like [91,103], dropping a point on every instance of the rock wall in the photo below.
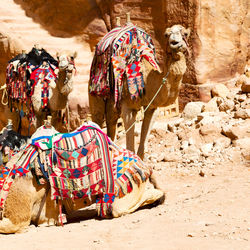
[219,41]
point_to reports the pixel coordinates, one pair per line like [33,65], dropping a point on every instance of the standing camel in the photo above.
[58,96]
[174,70]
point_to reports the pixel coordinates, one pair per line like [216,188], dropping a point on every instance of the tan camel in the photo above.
[173,71]
[29,202]
[58,97]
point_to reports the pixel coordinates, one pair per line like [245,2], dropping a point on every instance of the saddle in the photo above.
[84,163]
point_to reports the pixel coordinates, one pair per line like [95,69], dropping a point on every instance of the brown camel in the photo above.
[174,70]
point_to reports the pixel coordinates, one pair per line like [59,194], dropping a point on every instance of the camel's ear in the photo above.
[167,32]
[186,32]
[75,54]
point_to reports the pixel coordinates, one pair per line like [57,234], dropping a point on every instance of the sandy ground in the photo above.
[211,212]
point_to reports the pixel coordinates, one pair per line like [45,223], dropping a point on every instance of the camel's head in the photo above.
[177,38]
[66,64]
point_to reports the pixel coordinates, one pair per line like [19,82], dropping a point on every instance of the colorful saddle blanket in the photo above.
[23,73]
[80,164]
[120,53]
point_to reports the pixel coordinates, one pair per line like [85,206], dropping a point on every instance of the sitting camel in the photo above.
[169,81]
[72,171]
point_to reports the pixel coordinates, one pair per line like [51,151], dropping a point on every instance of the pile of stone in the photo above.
[206,134]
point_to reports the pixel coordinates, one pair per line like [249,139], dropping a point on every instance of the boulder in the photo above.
[205,92]
[226,105]
[192,109]
[206,149]
[187,134]
[211,106]
[222,142]
[237,131]
[210,132]
[171,140]
[242,113]
[243,143]
[220,90]
[245,87]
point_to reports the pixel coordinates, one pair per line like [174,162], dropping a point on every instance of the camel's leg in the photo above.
[129,116]
[145,130]
[18,208]
[97,109]
[112,115]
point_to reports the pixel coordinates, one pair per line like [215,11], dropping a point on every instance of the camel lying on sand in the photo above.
[32,198]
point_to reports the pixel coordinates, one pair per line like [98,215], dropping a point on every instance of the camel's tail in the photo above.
[152,179]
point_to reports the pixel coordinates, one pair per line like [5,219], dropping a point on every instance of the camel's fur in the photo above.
[175,65]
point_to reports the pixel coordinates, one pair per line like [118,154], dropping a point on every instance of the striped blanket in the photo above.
[80,164]
[120,53]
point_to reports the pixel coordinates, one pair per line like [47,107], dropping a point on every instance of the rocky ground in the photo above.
[202,162]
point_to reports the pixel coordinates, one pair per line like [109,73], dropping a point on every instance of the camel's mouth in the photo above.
[175,45]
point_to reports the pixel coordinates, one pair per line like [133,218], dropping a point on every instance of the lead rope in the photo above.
[4,93]
[164,80]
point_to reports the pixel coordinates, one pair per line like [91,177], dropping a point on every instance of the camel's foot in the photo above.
[7,227]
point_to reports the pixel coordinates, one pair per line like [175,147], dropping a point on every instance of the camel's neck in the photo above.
[176,64]
[59,97]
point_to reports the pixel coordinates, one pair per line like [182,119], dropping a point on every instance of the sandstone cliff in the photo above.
[219,41]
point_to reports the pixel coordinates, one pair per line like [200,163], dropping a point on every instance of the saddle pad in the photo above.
[81,167]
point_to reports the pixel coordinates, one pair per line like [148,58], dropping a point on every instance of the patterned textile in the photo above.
[21,168]
[127,166]
[120,53]
[78,165]
[43,76]
[22,75]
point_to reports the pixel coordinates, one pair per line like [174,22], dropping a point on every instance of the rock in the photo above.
[246,154]
[242,79]
[205,92]
[184,144]
[222,142]
[173,157]
[186,134]
[243,143]
[220,90]
[245,87]
[192,109]
[211,106]
[191,154]
[210,132]
[242,113]
[242,98]
[206,149]
[237,130]
[172,125]
[201,173]
[171,140]
[227,105]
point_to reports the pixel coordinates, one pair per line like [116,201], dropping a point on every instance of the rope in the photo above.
[67,109]
[164,80]
[4,93]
